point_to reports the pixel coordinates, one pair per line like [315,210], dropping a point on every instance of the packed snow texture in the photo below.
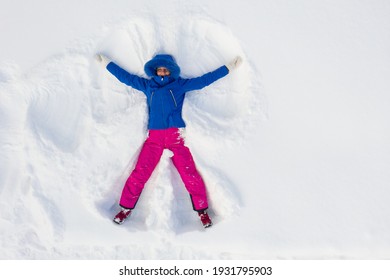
[293,146]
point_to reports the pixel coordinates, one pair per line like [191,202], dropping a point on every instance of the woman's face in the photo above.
[162,71]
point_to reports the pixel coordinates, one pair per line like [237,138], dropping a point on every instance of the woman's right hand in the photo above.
[102,59]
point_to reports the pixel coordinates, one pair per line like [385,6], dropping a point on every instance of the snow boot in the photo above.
[205,219]
[122,216]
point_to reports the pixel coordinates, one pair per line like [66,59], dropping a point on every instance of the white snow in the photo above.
[293,145]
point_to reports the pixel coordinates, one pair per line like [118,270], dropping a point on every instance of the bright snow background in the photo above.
[294,146]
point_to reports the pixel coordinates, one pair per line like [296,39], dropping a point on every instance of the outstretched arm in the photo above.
[121,74]
[209,78]
[204,80]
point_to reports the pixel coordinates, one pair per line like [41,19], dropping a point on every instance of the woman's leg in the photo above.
[147,161]
[185,165]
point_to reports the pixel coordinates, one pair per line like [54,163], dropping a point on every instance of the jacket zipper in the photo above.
[151,98]
[173,97]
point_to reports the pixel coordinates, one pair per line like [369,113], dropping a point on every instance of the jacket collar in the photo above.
[162,81]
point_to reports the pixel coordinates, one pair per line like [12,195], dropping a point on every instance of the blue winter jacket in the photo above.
[165,95]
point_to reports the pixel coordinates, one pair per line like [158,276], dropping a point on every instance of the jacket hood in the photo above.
[162,60]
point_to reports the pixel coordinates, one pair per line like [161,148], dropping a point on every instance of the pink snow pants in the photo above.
[150,155]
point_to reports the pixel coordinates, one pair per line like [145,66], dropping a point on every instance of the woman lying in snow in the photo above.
[165,93]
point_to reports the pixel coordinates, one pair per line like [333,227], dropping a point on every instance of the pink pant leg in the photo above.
[147,161]
[185,165]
